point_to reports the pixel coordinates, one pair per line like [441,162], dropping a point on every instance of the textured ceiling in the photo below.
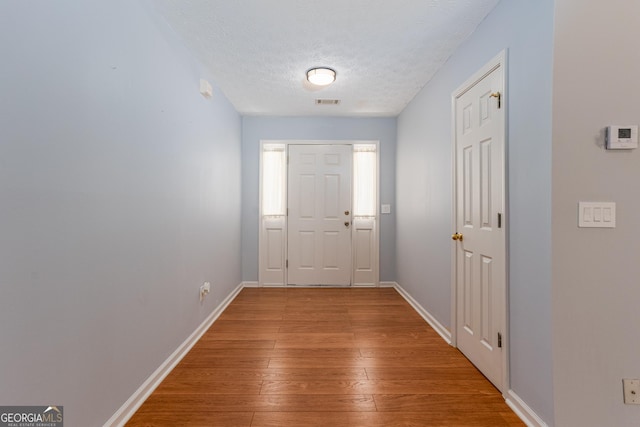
[384,51]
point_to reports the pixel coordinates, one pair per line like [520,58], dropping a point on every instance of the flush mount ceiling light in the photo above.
[321,76]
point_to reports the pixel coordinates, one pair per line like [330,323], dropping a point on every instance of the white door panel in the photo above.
[480,255]
[274,248]
[319,220]
[272,251]
[364,251]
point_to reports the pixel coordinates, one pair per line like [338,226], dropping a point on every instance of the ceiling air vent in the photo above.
[327,101]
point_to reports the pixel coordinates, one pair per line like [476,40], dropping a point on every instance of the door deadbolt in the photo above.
[346,212]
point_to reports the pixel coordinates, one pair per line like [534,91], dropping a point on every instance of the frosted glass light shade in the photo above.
[321,76]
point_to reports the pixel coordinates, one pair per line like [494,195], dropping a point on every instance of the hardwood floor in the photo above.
[323,357]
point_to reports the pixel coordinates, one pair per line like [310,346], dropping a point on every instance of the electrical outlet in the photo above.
[204,290]
[631,390]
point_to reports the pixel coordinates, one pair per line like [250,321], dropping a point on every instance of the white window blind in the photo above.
[364,179]
[274,168]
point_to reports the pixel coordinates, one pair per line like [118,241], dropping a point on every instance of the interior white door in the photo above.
[480,230]
[319,215]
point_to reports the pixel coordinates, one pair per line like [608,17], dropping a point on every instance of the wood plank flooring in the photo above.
[323,357]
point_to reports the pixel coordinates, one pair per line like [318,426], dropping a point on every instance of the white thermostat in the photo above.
[622,137]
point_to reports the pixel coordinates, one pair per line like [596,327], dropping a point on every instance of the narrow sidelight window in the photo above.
[274,169]
[364,180]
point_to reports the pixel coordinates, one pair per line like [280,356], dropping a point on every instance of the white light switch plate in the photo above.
[596,215]
[385,209]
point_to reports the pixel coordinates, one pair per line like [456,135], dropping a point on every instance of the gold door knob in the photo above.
[457,236]
[497,95]
[346,224]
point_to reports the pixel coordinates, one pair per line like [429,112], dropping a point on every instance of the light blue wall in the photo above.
[525,29]
[596,291]
[119,196]
[255,129]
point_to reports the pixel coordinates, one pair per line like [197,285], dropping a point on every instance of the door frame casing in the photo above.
[499,61]
[376,243]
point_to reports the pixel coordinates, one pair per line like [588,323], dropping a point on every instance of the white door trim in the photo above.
[499,61]
[376,235]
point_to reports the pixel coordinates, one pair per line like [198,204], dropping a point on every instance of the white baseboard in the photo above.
[136,400]
[388,284]
[250,285]
[522,410]
[437,326]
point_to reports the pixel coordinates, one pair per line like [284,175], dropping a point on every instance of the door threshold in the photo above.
[292,285]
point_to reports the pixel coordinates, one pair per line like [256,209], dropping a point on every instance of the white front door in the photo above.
[480,272]
[319,215]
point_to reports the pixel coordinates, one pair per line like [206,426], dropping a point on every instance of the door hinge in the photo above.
[499,340]
[499,220]
[286,264]
[499,96]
